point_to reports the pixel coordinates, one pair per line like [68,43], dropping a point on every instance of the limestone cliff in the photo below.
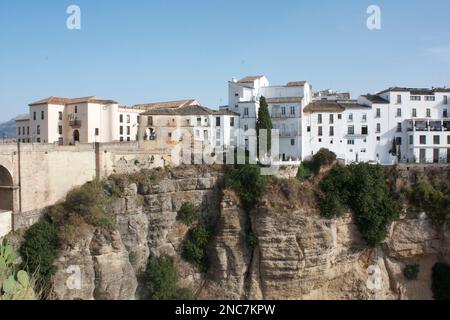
[296,255]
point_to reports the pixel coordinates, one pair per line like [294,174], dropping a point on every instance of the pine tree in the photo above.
[264,122]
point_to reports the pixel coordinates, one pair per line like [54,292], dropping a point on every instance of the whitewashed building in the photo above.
[395,125]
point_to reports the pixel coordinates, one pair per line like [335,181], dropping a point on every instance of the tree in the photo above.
[264,122]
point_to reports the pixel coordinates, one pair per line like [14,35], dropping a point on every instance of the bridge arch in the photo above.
[6,190]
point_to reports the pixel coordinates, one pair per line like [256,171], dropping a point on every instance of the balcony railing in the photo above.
[282,115]
[75,123]
[428,125]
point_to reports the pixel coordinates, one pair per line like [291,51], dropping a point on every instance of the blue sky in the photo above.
[143,51]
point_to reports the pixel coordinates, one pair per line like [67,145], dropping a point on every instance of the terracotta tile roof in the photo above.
[180,111]
[166,104]
[416,91]
[64,101]
[296,84]
[375,99]
[333,106]
[225,112]
[250,78]
[285,100]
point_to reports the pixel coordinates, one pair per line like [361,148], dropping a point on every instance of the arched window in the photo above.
[76,136]
[6,190]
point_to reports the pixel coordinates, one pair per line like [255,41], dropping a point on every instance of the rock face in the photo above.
[107,264]
[303,256]
[283,249]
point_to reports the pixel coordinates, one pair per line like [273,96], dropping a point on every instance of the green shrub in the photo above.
[38,252]
[431,200]
[187,214]
[85,205]
[252,240]
[323,157]
[363,189]
[441,281]
[411,271]
[194,246]
[304,170]
[160,280]
[246,180]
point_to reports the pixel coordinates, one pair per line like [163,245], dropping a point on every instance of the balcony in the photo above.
[288,134]
[276,115]
[75,123]
[428,125]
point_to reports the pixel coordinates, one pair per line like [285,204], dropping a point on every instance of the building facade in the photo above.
[407,125]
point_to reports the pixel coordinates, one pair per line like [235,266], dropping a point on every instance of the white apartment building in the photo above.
[416,119]
[395,125]
[285,104]
[85,120]
[215,128]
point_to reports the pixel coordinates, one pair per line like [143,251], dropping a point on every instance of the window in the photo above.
[18,131]
[245,111]
[23,130]
[283,110]
[28,130]
[128,118]
[42,115]
[236,106]
[399,112]
[121,139]
[448,139]
[350,117]
[378,127]
[308,128]
[232,122]
[445,113]
[414,112]
[411,139]
[59,129]
[331,131]
[97,132]
[199,121]
[350,130]
[121,118]
[399,127]
[331,118]
[128,139]
[415,98]
[245,127]
[138,118]
[339,116]
[319,118]
[351,141]
[364,117]
[423,139]
[378,114]
[128,130]
[34,115]
[217,121]
[293,110]
[150,121]
[398,141]
[378,138]
[60,115]
[364,130]
[292,142]
[38,140]
[76,109]
[236,94]
[320,131]
[38,129]
[121,130]
[445,99]
[430,98]
[399,99]
[169,134]
[436,140]
[428,113]
[363,150]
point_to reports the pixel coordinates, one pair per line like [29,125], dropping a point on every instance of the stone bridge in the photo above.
[34,176]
